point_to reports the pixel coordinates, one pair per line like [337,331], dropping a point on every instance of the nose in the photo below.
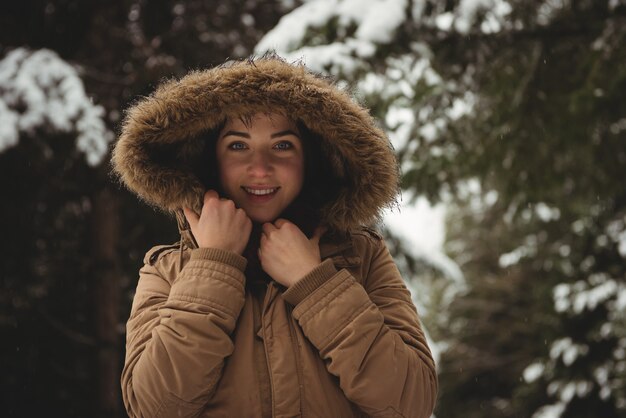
[260,164]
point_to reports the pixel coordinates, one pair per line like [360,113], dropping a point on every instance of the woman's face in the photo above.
[261,164]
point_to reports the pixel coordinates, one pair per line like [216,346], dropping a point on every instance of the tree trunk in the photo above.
[105,235]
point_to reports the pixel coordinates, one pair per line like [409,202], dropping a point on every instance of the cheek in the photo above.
[298,174]
[227,174]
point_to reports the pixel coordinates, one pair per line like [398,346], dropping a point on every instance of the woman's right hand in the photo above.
[220,224]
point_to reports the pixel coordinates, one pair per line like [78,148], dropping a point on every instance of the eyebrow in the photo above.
[284,133]
[274,135]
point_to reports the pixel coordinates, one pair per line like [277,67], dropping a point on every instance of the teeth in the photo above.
[260,192]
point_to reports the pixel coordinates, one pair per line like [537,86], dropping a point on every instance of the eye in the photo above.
[237,146]
[283,146]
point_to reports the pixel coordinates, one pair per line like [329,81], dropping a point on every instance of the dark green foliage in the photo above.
[532,173]
[73,239]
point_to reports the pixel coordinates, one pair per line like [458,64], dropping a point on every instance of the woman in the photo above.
[277,301]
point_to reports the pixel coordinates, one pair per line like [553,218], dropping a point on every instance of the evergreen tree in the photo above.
[74,240]
[513,114]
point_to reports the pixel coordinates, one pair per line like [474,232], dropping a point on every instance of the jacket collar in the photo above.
[337,246]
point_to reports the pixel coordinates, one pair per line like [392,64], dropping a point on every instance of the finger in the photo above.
[262,245]
[242,214]
[210,194]
[191,217]
[226,205]
[280,222]
[318,233]
[268,227]
[243,218]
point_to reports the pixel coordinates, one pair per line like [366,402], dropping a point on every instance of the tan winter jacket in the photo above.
[344,341]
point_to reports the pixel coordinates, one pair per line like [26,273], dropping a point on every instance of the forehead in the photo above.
[260,120]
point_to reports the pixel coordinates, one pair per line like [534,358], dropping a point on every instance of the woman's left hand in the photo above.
[286,254]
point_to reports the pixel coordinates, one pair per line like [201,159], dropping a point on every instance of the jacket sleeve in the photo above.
[369,334]
[178,334]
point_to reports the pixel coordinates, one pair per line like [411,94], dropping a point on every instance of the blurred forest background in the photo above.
[511,113]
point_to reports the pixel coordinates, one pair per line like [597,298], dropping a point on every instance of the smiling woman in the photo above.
[279,299]
[261,164]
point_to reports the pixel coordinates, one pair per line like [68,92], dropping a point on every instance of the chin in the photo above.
[262,218]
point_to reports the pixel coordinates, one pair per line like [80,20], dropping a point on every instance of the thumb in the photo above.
[317,235]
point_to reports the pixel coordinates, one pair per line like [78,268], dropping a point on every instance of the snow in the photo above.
[496,12]
[616,231]
[291,28]
[412,70]
[381,21]
[567,390]
[513,257]
[567,350]
[533,372]
[547,10]
[527,249]
[547,213]
[461,107]
[466,13]
[335,58]
[421,226]
[413,119]
[613,4]
[9,133]
[550,411]
[429,132]
[620,301]
[618,126]
[582,295]
[376,22]
[444,21]
[602,375]
[42,93]
[401,120]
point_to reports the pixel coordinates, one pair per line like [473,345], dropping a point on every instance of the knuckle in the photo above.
[229,204]
[209,198]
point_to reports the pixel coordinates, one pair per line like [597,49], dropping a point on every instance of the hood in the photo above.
[158,154]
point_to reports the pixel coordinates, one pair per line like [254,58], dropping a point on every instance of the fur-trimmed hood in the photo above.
[158,153]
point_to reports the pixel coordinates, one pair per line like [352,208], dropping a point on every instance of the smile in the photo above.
[261,192]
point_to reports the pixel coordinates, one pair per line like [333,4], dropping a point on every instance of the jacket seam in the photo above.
[230,279]
[204,301]
[385,413]
[160,252]
[152,293]
[157,414]
[333,333]
[269,367]
[297,351]
[173,400]
[323,301]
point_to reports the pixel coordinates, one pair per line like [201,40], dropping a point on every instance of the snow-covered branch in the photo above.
[41,93]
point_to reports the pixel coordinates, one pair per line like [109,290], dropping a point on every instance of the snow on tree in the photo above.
[341,38]
[41,93]
[511,113]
